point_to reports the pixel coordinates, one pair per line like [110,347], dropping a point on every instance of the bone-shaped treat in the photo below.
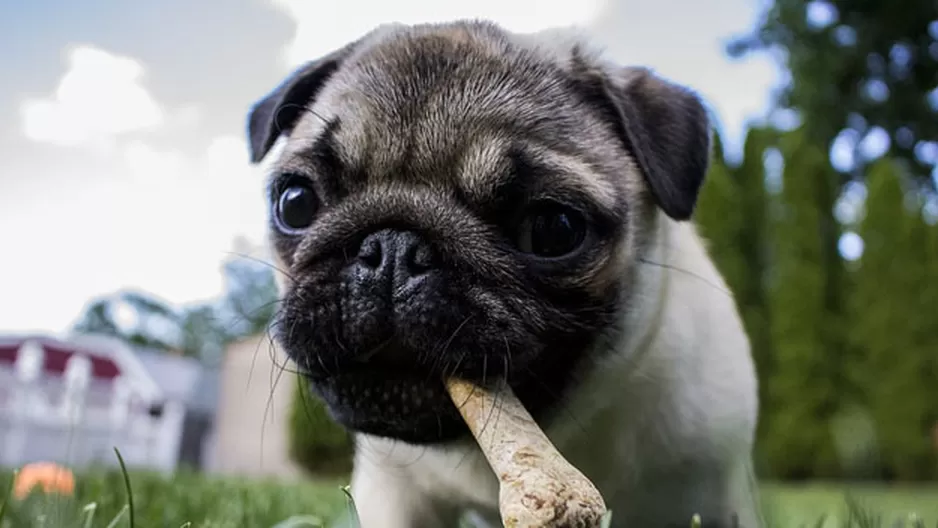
[538,488]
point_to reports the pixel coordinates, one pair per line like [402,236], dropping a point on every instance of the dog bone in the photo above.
[538,488]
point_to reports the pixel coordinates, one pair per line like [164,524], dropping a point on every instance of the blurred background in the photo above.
[136,294]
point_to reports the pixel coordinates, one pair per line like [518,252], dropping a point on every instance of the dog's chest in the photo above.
[460,476]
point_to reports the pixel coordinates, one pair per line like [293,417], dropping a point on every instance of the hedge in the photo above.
[317,443]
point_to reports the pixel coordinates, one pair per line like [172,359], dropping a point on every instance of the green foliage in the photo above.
[895,326]
[190,500]
[97,319]
[185,499]
[847,362]
[203,334]
[870,64]
[100,317]
[749,287]
[805,386]
[732,217]
[316,442]
[720,221]
[251,296]
[201,330]
[851,352]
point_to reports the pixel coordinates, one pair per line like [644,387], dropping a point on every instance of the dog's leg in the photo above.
[744,495]
[387,496]
[669,498]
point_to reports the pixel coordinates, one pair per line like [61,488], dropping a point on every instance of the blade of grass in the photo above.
[606,521]
[6,499]
[863,517]
[118,517]
[89,511]
[352,510]
[300,521]
[130,495]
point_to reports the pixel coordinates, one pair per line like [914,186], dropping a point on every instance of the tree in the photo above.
[151,322]
[251,297]
[860,71]
[719,218]
[203,333]
[316,442]
[806,383]
[894,327]
[200,330]
[860,66]
[97,319]
[732,217]
[752,239]
[929,335]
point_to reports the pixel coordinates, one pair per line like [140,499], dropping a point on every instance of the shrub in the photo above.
[316,442]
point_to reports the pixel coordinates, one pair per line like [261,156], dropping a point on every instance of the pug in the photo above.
[455,199]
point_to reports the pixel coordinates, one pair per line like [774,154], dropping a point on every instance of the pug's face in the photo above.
[453,200]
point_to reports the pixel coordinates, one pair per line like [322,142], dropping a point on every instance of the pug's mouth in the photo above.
[406,402]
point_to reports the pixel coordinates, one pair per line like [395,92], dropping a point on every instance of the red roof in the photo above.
[57,353]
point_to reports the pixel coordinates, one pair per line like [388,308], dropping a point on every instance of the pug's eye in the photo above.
[551,231]
[296,207]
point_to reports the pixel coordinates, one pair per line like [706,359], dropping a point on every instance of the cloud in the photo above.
[681,40]
[183,214]
[99,98]
[324,26]
[158,213]
[146,215]
[684,42]
[164,226]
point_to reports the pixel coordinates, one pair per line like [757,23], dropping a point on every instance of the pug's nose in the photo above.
[394,258]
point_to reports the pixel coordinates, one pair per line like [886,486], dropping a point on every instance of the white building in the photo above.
[72,401]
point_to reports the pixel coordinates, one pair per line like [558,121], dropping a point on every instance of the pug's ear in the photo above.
[667,130]
[277,113]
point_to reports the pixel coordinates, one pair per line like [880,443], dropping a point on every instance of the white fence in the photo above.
[78,420]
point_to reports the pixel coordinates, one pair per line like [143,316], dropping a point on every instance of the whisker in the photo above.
[271,351]
[507,358]
[262,262]
[257,351]
[686,272]
[455,368]
[280,369]
[384,457]
[563,408]
[370,353]
[290,332]
[440,352]
[469,450]
[495,403]
[286,106]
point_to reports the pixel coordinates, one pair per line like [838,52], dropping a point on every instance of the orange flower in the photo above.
[50,477]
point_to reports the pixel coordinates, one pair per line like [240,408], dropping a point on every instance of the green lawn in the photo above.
[186,498]
[195,501]
[795,506]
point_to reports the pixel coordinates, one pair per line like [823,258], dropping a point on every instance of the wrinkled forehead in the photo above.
[454,107]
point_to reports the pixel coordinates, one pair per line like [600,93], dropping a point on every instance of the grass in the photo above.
[119,499]
[804,505]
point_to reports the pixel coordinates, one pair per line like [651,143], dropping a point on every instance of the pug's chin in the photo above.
[406,406]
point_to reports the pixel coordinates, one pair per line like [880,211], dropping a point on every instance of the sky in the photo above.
[123,162]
